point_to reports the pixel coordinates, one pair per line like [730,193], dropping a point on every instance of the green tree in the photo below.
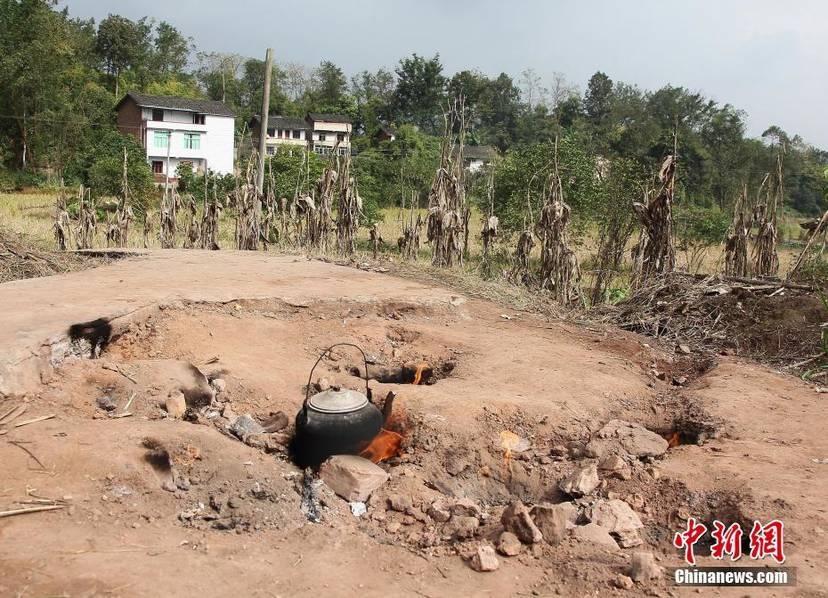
[124,44]
[420,92]
[171,51]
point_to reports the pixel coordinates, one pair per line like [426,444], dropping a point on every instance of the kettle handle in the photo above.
[325,352]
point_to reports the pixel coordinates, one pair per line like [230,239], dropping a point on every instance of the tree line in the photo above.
[60,77]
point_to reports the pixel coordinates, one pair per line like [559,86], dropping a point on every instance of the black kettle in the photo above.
[335,421]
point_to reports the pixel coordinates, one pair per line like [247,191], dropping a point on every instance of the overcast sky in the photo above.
[767,57]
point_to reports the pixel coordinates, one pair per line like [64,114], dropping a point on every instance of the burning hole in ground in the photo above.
[417,373]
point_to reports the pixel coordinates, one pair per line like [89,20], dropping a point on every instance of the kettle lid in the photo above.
[338,401]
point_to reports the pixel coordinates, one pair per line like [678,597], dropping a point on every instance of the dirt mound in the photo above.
[766,320]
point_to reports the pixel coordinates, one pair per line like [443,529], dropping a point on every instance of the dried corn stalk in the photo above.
[409,242]
[170,204]
[736,244]
[319,213]
[87,219]
[210,223]
[193,228]
[247,203]
[447,197]
[816,229]
[349,210]
[376,240]
[765,258]
[655,255]
[62,227]
[123,214]
[520,261]
[559,268]
[490,223]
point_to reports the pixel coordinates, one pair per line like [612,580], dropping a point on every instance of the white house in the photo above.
[476,157]
[178,130]
[317,132]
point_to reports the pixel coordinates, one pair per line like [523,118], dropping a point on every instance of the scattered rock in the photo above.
[264,441]
[358,509]
[623,582]
[594,534]
[439,511]
[635,440]
[684,349]
[169,485]
[392,527]
[323,384]
[176,404]
[275,422]
[554,520]
[106,403]
[465,507]
[456,466]
[516,519]
[461,527]
[484,559]
[219,385]
[508,544]
[614,516]
[615,466]
[351,477]
[400,502]
[582,482]
[643,567]
[244,425]
[629,539]
[679,380]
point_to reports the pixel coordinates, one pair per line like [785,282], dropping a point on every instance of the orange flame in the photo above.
[674,440]
[418,375]
[508,441]
[385,445]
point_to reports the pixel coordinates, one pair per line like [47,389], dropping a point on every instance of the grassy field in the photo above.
[32,215]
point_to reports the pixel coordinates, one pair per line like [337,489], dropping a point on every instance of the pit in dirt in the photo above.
[458,455]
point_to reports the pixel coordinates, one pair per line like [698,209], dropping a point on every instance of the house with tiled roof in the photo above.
[317,132]
[176,130]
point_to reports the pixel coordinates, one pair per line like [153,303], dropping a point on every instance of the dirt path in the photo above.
[552,383]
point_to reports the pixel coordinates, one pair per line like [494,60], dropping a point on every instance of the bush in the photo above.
[105,174]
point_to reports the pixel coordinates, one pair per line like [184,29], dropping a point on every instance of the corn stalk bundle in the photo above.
[284,221]
[736,243]
[490,224]
[170,204]
[348,212]
[655,255]
[193,228]
[270,227]
[765,258]
[123,214]
[210,223]
[559,269]
[520,260]
[447,197]
[816,229]
[62,224]
[320,218]
[146,226]
[87,219]
[111,231]
[409,242]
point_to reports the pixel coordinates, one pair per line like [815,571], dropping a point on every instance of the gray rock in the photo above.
[581,482]
[484,559]
[643,567]
[106,403]
[353,478]
[244,425]
[462,527]
[516,519]
[615,466]
[508,544]
[176,404]
[439,511]
[614,516]
[617,436]
[594,534]
[622,582]
[400,502]
[275,422]
[628,539]
[219,385]
[465,507]
[554,520]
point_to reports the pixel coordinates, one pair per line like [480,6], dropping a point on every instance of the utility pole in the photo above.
[263,123]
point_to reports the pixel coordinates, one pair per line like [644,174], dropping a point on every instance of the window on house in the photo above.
[297,134]
[157,167]
[158,114]
[321,136]
[271,150]
[343,151]
[271,132]
[192,141]
[160,139]
[198,119]
[340,137]
[279,133]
